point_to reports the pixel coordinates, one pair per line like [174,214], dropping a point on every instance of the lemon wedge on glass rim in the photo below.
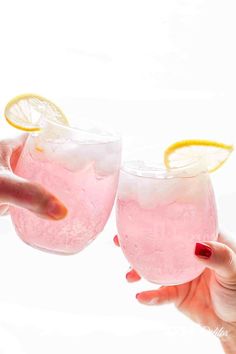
[27,112]
[214,153]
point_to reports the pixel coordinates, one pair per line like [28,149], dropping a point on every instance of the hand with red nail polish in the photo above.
[209,299]
[20,192]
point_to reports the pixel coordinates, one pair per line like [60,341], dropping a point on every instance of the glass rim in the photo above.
[193,168]
[109,135]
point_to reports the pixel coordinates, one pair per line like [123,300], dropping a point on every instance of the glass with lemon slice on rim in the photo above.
[163,210]
[78,162]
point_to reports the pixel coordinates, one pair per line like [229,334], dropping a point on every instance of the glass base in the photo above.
[56,252]
[176,283]
[42,249]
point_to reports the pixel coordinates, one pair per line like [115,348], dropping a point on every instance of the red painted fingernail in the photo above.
[203,251]
[116,240]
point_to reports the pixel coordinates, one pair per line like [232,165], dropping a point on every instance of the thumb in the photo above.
[17,191]
[220,258]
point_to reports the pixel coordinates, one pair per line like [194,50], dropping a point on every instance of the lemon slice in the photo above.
[214,153]
[27,112]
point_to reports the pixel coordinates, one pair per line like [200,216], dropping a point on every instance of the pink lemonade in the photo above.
[82,171]
[160,217]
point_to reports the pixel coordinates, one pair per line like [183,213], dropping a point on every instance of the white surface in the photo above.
[159,71]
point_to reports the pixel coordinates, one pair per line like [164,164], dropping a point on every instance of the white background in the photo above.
[159,72]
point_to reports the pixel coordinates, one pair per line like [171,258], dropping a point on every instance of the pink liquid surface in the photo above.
[159,223]
[88,194]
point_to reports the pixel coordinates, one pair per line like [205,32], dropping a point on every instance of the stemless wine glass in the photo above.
[80,166]
[161,214]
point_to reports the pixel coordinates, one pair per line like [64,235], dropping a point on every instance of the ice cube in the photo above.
[127,188]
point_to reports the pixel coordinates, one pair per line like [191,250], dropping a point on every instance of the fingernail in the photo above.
[153,301]
[56,210]
[116,241]
[203,251]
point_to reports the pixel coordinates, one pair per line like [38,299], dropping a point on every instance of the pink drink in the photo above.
[80,169]
[160,217]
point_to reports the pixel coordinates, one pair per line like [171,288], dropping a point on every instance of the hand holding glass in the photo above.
[161,214]
[81,168]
